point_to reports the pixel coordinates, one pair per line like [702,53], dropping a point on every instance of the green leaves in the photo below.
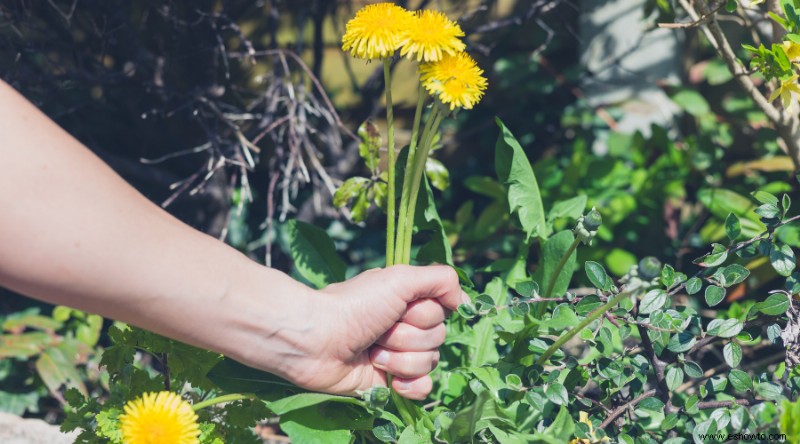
[553,249]
[714,295]
[732,353]
[514,170]
[556,393]
[692,102]
[733,228]
[235,377]
[726,328]
[782,259]
[775,305]
[653,300]
[598,276]
[674,378]
[314,254]
[681,342]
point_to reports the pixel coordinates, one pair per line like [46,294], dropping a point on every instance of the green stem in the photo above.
[221,399]
[556,273]
[412,148]
[390,202]
[589,319]
[416,180]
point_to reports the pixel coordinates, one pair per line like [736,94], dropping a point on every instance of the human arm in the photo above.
[72,232]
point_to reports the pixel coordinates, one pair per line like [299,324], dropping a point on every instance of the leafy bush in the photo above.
[576,332]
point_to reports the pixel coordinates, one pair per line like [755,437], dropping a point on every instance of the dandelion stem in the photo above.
[221,399]
[419,168]
[390,201]
[412,148]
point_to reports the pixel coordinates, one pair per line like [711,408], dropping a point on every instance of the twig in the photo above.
[695,23]
[718,404]
[622,409]
[787,125]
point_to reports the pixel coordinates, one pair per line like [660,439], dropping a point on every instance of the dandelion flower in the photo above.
[159,418]
[376,31]
[785,91]
[584,418]
[456,80]
[429,35]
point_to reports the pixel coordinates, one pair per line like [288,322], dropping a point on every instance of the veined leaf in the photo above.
[514,170]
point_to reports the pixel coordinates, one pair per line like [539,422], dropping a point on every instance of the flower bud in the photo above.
[593,220]
[649,268]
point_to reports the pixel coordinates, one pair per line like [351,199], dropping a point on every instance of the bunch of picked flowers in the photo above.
[447,74]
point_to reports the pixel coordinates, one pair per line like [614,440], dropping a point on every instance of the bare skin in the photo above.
[74,233]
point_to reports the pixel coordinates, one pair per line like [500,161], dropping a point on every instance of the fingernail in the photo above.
[403,386]
[381,357]
[465,299]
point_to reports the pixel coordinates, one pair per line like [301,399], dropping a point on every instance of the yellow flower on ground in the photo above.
[584,418]
[792,50]
[785,91]
[431,34]
[159,418]
[456,80]
[376,31]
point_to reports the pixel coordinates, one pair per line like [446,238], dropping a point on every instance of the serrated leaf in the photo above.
[515,171]
[314,254]
[571,208]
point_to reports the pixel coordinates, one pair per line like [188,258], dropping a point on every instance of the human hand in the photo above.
[381,321]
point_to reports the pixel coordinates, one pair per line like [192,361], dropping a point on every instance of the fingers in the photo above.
[406,337]
[424,313]
[416,388]
[408,365]
[431,281]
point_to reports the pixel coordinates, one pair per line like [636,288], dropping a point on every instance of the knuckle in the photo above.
[439,334]
[450,275]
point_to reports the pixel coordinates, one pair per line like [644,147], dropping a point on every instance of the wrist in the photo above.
[267,319]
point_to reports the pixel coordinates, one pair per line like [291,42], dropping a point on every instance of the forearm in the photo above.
[72,232]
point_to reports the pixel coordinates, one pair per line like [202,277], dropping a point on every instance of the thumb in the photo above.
[431,281]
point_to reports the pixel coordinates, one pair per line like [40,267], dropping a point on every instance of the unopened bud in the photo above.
[649,268]
[593,220]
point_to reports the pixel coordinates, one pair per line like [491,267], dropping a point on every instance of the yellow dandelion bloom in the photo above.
[429,35]
[376,31]
[159,418]
[584,418]
[785,91]
[456,80]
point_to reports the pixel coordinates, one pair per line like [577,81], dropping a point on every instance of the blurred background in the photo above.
[237,116]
